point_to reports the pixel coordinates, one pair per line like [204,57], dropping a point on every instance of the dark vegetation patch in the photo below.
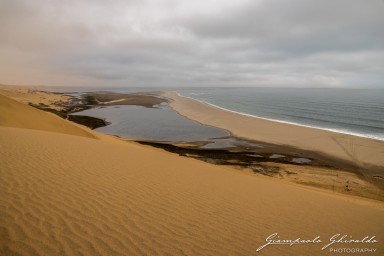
[89,121]
[89,100]
[244,159]
[73,106]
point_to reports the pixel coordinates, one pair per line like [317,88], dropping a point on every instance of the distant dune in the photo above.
[63,192]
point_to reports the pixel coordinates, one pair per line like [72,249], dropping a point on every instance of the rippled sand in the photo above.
[66,190]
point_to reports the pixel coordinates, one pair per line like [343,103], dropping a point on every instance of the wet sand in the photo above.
[367,155]
[112,99]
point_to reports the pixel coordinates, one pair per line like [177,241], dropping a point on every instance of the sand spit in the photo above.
[113,99]
[72,195]
[367,154]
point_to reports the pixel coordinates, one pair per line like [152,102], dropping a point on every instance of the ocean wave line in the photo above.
[286,122]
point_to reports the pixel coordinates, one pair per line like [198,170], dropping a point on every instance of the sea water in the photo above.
[352,111]
[358,112]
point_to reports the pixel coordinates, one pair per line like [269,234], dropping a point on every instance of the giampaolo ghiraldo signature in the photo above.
[339,239]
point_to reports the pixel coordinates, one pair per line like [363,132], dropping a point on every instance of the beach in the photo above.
[364,153]
[69,190]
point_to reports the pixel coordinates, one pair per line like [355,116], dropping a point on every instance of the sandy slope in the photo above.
[16,114]
[362,151]
[34,95]
[72,195]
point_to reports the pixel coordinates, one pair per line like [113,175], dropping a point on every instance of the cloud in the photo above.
[299,43]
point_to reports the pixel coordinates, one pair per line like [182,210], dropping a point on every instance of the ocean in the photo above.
[358,112]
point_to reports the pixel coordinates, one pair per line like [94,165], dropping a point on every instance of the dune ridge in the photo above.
[74,195]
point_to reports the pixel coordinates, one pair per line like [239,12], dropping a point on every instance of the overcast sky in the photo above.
[264,43]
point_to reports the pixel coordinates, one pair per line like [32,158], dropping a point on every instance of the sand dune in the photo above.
[34,95]
[73,195]
[16,114]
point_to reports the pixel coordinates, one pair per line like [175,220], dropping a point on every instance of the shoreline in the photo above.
[63,182]
[280,121]
[279,167]
[258,160]
[365,153]
[320,164]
